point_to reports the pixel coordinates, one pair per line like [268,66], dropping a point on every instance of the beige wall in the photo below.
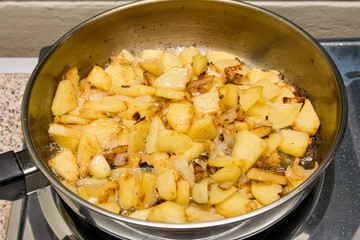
[27,26]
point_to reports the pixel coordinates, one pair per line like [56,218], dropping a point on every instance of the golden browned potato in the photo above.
[65,98]
[180,136]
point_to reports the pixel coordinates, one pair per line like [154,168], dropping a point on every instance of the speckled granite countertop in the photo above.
[12,87]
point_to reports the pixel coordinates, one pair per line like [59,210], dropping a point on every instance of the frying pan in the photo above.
[261,38]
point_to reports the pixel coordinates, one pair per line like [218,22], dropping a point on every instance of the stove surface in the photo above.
[331,211]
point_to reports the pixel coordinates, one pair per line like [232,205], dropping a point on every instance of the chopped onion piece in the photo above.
[182,166]
[120,159]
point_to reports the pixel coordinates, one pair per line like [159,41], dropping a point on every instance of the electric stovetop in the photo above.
[331,211]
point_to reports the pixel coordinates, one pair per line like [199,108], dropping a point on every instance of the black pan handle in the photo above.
[19,176]
[12,178]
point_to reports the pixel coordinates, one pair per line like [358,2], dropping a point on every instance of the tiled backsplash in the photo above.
[27,26]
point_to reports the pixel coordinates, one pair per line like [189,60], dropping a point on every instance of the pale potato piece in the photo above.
[170,93]
[248,147]
[63,131]
[307,120]
[106,104]
[151,53]
[114,70]
[202,129]
[100,131]
[180,116]
[236,73]
[199,64]
[233,206]
[226,185]
[196,149]
[136,141]
[214,56]
[272,160]
[92,114]
[294,142]
[256,74]
[201,214]
[99,78]
[218,195]
[272,143]
[186,56]
[128,73]
[152,65]
[261,131]
[65,165]
[176,79]
[70,119]
[173,142]
[120,75]
[144,190]
[140,214]
[140,74]
[88,193]
[152,144]
[92,182]
[94,138]
[249,96]
[265,176]
[266,193]
[183,193]
[110,206]
[126,189]
[149,78]
[123,137]
[297,174]
[270,90]
[284,115]
[67,143]
[73,76]
[124,56]
[99,167]
[209,217]
[226,174]
[99,194]
[258,109]
[65,98]
[239,126]
[194,212]
[128,123]
[166,184]
[217,82]
[199,191]
[227,161]
[230,94]
[207,103]
[84,154]
[137,110]
[222,64]
[143,127]
[134,90]
[256,120]
[160,161]
[168,212]
[284,93]
[170,60]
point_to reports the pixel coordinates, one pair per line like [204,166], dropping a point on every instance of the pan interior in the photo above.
[260,39]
